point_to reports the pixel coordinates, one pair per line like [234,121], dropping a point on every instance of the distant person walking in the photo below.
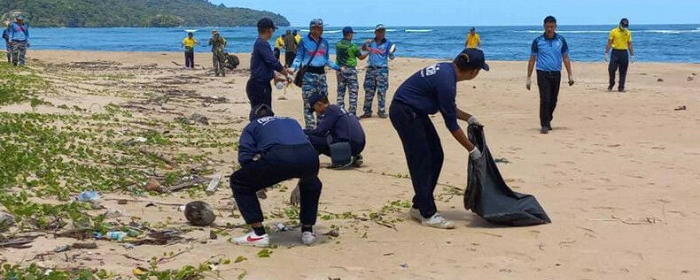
[279,44]
[188,43]
[19,40]
[473,40]
[263,66]
[548,51]
[377,76]
[290,48]
[218,47]
[347,54]
[313,55]
[620,40]
[6,37]
[297,36]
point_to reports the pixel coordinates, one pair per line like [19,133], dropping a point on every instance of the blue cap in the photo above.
[379,27]
[347,30]
[19,16]
[315,98]
[316,22]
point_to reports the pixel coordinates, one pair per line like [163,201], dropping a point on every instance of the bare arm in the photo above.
[608,46]
[531,65]
[567,64]
[463,140]
[631,48]
[462,115]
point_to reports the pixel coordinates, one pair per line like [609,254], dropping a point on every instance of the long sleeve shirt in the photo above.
[263,63]
[305,54]
[342,126]
[263,134]
[430,90]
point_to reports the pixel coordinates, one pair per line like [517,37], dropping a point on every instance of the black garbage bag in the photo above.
[488,196]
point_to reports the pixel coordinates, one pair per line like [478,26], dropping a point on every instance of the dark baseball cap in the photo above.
[316,22]
[266,23]
[315,98]
[625,22]
[347,30]
[475,59]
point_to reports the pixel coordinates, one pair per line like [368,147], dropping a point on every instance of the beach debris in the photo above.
[153,185]
[199,213]
[140,271]
[659,80]
[6,221]
[166,158]
[129,246]
[88,196]
[77,233]
[404,265]
[332,233]
[282,227]
[690,79]
[115,213]
[195,181]
[122,201]
[680,108]
[115,235]
[89,245]
[19,243]
[695,74]
[62,248]
[214,183]
[212,235]
[501,160]
[199,118]
[164,237]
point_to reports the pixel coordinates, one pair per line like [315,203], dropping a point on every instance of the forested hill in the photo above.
[134,13]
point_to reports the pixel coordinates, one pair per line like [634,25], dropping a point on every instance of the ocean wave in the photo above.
[332,31]
[564,31]
[607,31]
[418,30]
[671,31]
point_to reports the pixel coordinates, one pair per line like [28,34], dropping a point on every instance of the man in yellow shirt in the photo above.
[189,43]
[297,36]
[620,40]
[279,44]
[473,40]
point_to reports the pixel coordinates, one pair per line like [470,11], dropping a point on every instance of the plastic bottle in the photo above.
[280,85]
[116,235]
[89,196]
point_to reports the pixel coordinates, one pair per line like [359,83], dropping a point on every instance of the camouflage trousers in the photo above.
[312,84]
[19,50]
[348,80]
[376,82]
[219,60]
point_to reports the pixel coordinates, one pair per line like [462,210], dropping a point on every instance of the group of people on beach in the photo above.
[16,36]
[273,148]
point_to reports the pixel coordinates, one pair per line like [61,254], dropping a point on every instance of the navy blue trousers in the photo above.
[322,145]
[279,164]
[424,154]
[259,93]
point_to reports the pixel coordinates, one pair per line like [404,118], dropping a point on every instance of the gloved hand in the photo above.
[571,80]
[475,154]
[473,120]
[262,194]
[607,57]
[632,59]
[528,84]
[295,197]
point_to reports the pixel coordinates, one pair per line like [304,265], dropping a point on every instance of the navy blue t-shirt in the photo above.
[263,134]
[430,90]
[263,62]
[343,127]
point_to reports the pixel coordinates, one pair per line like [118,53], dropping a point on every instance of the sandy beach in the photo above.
[618,176]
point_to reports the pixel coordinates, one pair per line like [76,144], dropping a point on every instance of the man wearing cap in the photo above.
[433,89]
[313,54]
[19,40]
[272,150]
[473,40]
[620,40]
[347,54]
[377,76]
[335,126]
[290,49]
[218,47]
[548,51]
[263,65]
[189,43]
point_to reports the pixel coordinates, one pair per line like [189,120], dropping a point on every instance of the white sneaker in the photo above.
[437,221]
[251,239]
[415,214]
[308,237]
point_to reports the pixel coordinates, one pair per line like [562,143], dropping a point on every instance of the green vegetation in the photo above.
[17,87]
[135,13]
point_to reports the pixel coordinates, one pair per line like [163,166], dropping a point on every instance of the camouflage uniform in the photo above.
[348,79]
[19,50]
[376,81]
[218,55]
[313,84]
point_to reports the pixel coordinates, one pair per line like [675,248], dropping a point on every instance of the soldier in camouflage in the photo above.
[347,54]
[218,46]
[377,76]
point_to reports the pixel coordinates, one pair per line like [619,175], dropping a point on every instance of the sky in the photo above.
[476,12]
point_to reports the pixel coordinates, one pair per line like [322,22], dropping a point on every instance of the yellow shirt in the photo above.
[189,43]
[298,38]
[473,41]
[279,42]
[620,38]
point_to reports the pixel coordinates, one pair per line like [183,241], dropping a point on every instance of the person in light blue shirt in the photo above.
[313,56]
[377,76]
[19,40]
[548,51]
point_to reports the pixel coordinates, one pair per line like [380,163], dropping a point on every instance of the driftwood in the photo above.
[19,243]
[167,159]
[188,184]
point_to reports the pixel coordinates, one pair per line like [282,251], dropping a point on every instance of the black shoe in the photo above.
[366,116]
[383,115]
[610,88]
[358,160]
[549,127]
[621,89]
[544,130]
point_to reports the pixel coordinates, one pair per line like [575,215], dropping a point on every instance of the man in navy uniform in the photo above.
[271,150]
[336,128]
